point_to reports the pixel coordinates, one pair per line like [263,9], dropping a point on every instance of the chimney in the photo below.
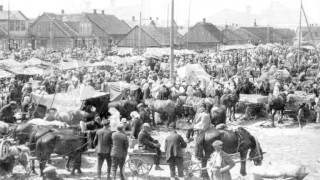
[204,20]
[102,11]
[62,11]
[94,11]
[255,23]
[133,18]
[1,7]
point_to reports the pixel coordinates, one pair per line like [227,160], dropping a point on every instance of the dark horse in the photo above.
[233,142]
[230,101]
[125,107]
[276,103]
[44,141]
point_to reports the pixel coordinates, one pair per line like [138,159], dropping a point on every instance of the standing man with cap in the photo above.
[174,145]
[220,163]
[103,142]
[119,151]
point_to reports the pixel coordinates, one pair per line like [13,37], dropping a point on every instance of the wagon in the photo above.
[140,163]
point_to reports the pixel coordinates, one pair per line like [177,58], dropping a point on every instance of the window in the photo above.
[17,23]
[23,26]
[11,26]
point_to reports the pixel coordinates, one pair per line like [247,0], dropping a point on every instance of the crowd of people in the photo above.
[227,69]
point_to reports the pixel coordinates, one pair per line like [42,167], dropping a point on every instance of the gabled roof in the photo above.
[109,23]
[14,15]
[57,20]
[203,33]
[247,35]
[231,35]
[261,32]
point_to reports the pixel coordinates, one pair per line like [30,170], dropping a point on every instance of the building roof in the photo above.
[57,20]
[109,23]
[286,33]
[247,35]
[203,32]
[14,15]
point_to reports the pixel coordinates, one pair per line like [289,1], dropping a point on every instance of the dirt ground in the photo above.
[285,144]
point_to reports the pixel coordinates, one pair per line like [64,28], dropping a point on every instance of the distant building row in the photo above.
[97,29]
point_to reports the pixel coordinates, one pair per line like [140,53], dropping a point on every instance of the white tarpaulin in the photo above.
[67,101]
[193,73]
[117,89]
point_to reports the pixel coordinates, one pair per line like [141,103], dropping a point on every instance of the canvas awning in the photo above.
[193,73]
[67,101]
[117,89]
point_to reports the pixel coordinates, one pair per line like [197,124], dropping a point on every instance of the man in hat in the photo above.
[220,163]
[174,145]
[119,151]
[144,115]
[147,143]
[7,112]
[103,142]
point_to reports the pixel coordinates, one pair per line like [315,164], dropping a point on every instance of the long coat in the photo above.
[103,141]
[174,144]
[120,145]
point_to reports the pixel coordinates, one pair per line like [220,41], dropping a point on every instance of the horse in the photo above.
[276,103]
[233,142]
[218,115]
[61,143]
[125,107]
[230,101]
[163,107]
[45,140]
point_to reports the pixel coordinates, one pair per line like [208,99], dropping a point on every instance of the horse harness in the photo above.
[240,139]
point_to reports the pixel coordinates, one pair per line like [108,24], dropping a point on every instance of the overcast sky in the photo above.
[125,9]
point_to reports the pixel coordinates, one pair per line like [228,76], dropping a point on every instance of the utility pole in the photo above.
[172,43]
[188,24]
[299,37]
[8,25]
[310,32]
[140,30]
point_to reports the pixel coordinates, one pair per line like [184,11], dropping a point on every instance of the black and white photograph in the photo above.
[159,90]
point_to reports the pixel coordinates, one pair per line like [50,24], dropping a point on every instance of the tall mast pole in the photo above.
[139,46]
[299,38]
[310,32]
[172,43]
[8,25]
[188,24]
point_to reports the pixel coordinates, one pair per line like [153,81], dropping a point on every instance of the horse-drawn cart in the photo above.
[140,163]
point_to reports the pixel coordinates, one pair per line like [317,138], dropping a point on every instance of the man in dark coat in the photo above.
[174,144]
[146,142]
[136,125]
[119,151]
[103,142]
[7,112]
[144,115]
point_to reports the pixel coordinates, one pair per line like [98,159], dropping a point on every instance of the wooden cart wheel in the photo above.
[190,168]
[139,167]
[4,148]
